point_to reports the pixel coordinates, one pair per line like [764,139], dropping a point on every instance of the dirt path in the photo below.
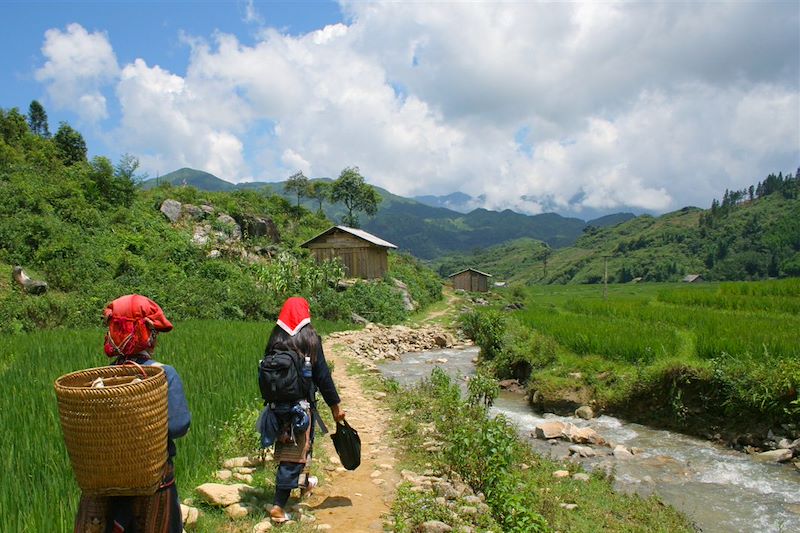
[357,500]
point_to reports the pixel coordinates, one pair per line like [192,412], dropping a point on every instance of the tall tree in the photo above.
[37,120]
[319,191]
[298,184]
[356,195]
[70,144]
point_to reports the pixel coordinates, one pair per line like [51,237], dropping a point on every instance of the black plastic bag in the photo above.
[347,444]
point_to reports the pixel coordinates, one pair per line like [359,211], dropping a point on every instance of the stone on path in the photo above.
[189,516]
[434,526]
[223,495]
[237,510]
[262,526]
[238,462]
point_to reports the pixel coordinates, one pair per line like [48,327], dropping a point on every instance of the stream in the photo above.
[720,489]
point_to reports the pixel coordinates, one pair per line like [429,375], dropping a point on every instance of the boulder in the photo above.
[201,233]
[434,526]
[262,526]
[171,209]
[408,302]
[581,476]
[581,451]
[560,474]
[775,456]
[30,286]
[511,385]
[549,430]
[207,209]
[238,462]
[237,511]
[223,495]
[233,229]
[621,452]
[583,436]
[223,475]
[193,212]
[189,516]
[569,506]
[255,226]
[584,412]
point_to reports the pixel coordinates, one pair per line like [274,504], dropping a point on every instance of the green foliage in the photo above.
[356,195]
[523,351]
[482,389]
[377,302]
[297,184]
[70,145]
[37,120]
[423,284]
[727,351]
[486,328]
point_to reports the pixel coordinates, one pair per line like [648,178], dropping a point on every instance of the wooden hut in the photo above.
[693,278]
[470,279]
[364,255]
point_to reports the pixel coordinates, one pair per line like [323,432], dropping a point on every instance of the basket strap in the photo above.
[137,365]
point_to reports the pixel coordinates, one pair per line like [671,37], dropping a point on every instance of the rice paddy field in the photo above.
[217,362]
[743,337]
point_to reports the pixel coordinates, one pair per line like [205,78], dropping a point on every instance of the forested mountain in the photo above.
[750,234]
[428,232]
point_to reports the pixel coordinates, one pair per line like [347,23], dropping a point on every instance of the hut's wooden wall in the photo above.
[470,281]
[360,259]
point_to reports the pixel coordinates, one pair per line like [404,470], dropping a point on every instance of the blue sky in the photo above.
[579,107]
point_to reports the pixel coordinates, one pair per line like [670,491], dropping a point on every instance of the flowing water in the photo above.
[721,490]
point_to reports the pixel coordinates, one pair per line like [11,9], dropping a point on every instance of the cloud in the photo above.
[573,107]
[78,65]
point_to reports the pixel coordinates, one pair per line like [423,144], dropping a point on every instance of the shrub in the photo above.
[486,328]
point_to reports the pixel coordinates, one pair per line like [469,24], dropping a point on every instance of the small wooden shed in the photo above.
[693,278]
[470,279]
[364,255]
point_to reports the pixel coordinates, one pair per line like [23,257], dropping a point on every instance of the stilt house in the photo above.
[471,280]
[364,255]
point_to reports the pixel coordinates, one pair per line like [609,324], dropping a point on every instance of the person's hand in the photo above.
[337,412]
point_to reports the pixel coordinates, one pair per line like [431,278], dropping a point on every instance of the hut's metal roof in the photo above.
[360,233]
[472,270]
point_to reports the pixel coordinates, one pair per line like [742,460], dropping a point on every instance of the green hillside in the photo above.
[92,234]
[424,231]
[737,240]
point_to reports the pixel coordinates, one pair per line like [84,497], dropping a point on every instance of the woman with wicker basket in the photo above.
[134,322]
[286,421]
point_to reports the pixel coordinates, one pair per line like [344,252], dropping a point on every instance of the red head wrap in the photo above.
[129,320]
[294,315]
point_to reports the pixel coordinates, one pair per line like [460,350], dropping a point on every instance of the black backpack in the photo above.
[280,378]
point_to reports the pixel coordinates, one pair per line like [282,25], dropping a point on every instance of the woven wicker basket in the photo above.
[116,436]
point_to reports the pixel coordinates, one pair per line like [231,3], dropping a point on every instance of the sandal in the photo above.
[282,518]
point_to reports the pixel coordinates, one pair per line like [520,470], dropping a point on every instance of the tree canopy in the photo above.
[356,195]
[37,120]
[298,184]
[70,144]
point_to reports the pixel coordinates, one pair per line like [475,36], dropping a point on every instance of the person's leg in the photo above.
[286,479]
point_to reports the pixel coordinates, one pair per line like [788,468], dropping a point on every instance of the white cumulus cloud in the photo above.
[78,65]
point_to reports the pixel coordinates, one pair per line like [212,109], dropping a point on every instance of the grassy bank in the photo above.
[217,361]
[518,485]
[705,359]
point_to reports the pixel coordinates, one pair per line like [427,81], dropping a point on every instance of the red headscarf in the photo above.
[129,320]
[294,315]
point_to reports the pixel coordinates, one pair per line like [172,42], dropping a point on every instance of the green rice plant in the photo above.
[616,338]
[217,362]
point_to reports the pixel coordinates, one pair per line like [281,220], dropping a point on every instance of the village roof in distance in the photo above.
[360,233]
[470,269]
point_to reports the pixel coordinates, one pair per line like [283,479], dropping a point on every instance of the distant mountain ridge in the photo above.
[424,230]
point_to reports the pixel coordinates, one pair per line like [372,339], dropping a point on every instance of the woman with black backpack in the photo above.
[292,370]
